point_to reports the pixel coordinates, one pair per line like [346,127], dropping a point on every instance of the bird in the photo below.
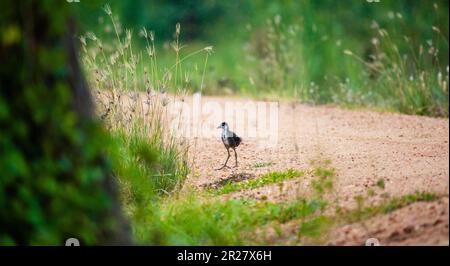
[230,140]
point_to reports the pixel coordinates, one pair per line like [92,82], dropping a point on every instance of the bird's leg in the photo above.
[225,164]
[235,157]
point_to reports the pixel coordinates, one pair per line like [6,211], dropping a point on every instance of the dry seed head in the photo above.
[112,59]
[128,33]
[432,51]
[152,37]
[395,47]
[149,51]
[208,49]
[143,32]
[374,25]
[348,52]
[91,36]
[107,10]
[277,20]
[165,101]
[252,82]
[83,40]
[175,47]
[383,32]
[375,41]
[177,28]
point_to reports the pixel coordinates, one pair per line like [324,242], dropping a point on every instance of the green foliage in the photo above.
[54,175]
[269,178]
[297,49]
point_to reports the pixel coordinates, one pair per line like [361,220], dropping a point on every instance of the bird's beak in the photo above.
[219,127]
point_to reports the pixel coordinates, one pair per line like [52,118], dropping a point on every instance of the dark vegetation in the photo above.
[56,182]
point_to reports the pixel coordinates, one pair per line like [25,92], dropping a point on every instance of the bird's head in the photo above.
[223,125]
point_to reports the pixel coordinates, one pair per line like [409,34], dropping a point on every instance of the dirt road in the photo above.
[376,156]
[408,153]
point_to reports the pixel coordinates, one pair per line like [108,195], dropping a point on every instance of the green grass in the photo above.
[266,179]
[362,213]
[324,174]
[318,225]
[190,221]
[314,227]
[380,183]
[163,166]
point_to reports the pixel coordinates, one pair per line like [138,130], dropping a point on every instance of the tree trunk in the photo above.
[56,181]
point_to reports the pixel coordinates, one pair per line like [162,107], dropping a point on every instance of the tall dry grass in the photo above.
[132,92]
[394,72]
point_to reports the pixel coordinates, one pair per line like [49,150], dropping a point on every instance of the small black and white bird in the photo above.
[230,140]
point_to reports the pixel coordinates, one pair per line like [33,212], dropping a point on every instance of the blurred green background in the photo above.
[354,53]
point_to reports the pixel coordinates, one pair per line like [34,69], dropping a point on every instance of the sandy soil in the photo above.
[409,153]
[421,223]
